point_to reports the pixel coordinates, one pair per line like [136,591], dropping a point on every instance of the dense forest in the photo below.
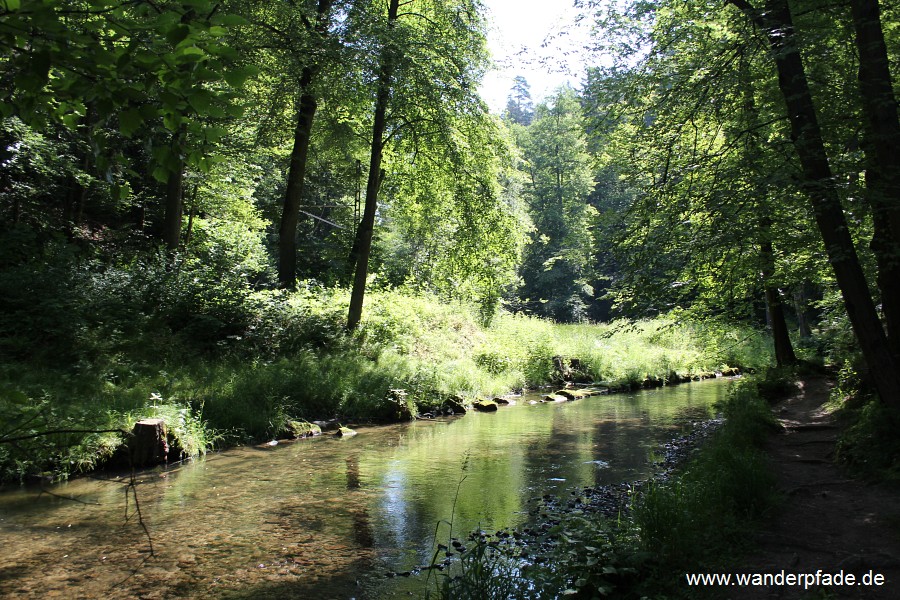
[203,179]
[243,216]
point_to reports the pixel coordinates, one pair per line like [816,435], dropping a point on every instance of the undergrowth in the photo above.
[868,445]
[226,364]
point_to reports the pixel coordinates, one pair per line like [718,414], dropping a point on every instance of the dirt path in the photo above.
[827,521]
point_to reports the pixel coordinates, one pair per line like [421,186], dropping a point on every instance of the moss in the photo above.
[485,406]
[303,429]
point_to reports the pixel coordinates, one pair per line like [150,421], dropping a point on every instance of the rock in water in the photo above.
[344,432]
[485,406]
[399,406]
[554,398]
[302,429]
[455,405]
[330,425]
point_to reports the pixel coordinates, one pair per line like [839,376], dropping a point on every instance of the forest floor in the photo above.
[828,520]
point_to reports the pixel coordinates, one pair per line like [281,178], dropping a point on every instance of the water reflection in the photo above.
[329,517]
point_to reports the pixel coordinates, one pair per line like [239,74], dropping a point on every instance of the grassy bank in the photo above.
[236,373]
[692,522]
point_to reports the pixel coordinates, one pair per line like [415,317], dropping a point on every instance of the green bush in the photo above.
[245,362]
[869,444]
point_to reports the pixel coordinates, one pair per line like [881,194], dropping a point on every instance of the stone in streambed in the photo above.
[330,425]
[344,432]
[485,406]
[455,405]
[583,393]
[301,429]
[399,406]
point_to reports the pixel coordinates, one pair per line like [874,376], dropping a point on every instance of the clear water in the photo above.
[328,517]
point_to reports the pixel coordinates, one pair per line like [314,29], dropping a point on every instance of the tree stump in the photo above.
[148,443]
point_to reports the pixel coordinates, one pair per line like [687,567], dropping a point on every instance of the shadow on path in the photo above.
[827,521]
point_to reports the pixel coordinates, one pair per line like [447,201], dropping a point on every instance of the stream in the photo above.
[328,517]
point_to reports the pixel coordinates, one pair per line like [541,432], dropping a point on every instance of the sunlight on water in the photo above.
[328,517]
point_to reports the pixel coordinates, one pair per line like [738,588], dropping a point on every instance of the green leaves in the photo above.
[129,121]
[237,76]
[150,74]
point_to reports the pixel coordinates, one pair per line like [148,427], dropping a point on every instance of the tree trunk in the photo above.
[784,351]
[800,308]
[191,214]
[775,319]
[149,443]
[174,207]
[373,183]
[306,112]
[776,22]
[882,158]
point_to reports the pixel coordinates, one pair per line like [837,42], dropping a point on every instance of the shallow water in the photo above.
[328,517]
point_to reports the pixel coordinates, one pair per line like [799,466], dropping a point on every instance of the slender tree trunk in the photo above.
[306,112]
[73,208]
[174,207]
[784,351]
[353,258]
[367,224]
[191,214]
[800,308]
[777,24]
[883,158]
[775,314]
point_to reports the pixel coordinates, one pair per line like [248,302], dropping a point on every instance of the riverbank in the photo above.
[297,363]
[636,539]
[760,498]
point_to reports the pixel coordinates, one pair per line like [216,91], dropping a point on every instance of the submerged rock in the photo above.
[576,394]
[485,406]
[344,432]
[652,382]
[554,398]
[502,401]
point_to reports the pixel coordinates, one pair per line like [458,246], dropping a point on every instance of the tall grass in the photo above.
[287,356]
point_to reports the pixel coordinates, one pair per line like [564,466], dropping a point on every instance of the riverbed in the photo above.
[328,517]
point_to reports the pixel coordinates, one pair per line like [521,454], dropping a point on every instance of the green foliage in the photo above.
[776,383]
[868,442]
[222,363]
[556,267]
[156,71]
[55,435]
[869,445]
